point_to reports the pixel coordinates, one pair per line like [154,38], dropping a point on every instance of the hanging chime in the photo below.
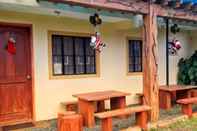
[96,41]
[175,44]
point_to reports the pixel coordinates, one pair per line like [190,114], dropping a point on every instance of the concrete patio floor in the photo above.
[128,124]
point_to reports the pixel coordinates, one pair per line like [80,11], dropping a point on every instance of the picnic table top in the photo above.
[171,88]
[100,95]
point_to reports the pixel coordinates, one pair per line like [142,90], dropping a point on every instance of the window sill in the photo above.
[74,76]
[134,73]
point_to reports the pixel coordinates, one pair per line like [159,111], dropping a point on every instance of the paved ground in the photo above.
[118,124]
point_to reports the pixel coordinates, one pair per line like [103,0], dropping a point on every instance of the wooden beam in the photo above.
[186,5]
[134,6]
[112,5]
[175,4]
[174,14]
[194,8]
[150,63]
[162,2]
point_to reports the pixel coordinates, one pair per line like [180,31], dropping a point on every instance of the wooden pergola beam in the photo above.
[174,14]
[111,5]
[137,7]
[150,63]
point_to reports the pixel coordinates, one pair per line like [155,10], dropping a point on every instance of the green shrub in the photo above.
[187,73]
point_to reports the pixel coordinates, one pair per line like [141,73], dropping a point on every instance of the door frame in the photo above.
[30,28]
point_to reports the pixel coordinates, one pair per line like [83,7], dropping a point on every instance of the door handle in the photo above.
[28,77]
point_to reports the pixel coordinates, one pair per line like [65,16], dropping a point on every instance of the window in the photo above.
[72,55]
[135,56]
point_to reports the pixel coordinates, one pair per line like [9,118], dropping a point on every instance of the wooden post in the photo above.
[150,63]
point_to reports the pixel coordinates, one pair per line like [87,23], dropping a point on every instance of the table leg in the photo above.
[100,106]
[118,102]
[165,100]
[86,109]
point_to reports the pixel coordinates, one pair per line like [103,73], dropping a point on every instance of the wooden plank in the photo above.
[172,88]
[100,95]
[150,63]
[120,112]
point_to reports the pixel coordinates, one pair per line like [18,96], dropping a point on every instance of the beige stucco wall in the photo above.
[49,93]
[193,40]
[21,2]
[187,44]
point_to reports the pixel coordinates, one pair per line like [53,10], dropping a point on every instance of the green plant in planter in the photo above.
[187,73]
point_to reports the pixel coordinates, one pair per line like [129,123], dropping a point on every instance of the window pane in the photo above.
[57,55]
[57,65]
[68,56]
[90,58]
[68,45]
[135,56]
[68,65]
[56,46]
[72,55]
[79,56]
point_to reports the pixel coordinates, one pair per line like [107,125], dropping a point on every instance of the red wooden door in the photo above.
[15,76]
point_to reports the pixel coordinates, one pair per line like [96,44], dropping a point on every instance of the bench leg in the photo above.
[187,110]
[106,124]
[165,100]
[71,107]
[142,119]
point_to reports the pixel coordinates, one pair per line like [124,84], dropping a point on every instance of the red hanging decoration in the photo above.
[174,47]
[96,42]
[11,46]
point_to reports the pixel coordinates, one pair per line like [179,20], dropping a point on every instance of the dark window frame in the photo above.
[63,56]
[137,59]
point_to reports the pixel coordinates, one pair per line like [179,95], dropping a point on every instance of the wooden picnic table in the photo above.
[86,103]
[169,94]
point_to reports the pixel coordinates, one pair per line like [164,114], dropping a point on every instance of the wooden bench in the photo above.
[186,105]
[141,116]
[193,93]
[70,105]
